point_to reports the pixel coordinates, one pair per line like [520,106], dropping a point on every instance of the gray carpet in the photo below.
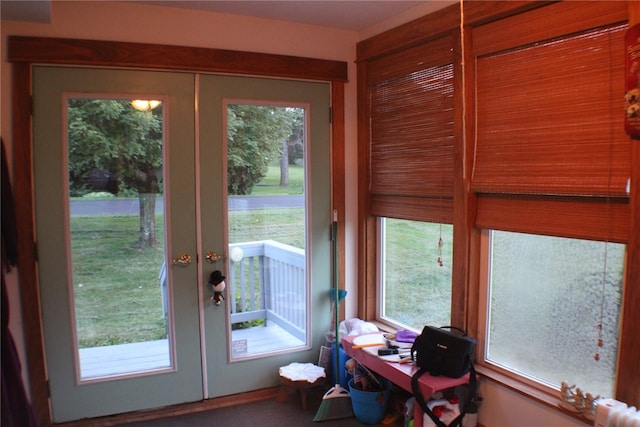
[266,413]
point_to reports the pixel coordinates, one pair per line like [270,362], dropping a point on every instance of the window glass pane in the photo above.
[267,228]
[120,294]
[548,298]
[416,287]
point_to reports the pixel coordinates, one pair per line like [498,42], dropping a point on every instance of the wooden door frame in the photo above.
[23,52]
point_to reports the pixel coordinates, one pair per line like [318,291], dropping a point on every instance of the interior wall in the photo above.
[117,21]
[504,407]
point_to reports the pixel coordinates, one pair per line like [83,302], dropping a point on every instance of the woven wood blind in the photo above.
[600,219]
[550,117]
[411,128]
[549,124]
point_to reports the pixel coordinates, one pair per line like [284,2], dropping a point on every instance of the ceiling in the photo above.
[353,15]
[33,11]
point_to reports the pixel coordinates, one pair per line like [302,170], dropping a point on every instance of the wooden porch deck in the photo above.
[126,359]
[123,359]
[263,339]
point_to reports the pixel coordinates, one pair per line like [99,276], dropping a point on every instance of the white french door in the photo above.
[79,298]
[124,281]
[292,232]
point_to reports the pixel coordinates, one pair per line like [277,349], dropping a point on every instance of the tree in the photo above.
[293,146]
[284,164]
[255,137]
[112,137]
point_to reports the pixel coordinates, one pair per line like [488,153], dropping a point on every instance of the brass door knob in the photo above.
[184,259]
[212,257]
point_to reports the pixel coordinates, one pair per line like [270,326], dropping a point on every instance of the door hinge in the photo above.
[35,250]
[48,388]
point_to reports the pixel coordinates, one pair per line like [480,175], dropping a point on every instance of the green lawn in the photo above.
[117,290]
[418,290]
[116,286]
[270,185]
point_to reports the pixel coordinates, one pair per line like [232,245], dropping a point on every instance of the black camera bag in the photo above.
[443,352]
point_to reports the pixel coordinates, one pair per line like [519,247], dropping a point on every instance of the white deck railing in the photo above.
[268,283]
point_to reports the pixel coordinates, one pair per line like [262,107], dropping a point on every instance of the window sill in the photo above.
[549,400]
[383,327]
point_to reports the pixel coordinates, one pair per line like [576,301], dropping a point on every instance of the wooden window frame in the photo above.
[24,52]
[467,233]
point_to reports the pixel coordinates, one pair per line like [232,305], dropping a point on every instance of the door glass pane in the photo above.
[266,228]
[115,169]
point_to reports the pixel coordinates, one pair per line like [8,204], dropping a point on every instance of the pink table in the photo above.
[400,374]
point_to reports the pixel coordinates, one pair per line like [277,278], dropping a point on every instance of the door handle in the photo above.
[212,257]
[184,260]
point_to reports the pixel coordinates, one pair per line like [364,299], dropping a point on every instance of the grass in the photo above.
[116,287]
[117,290]
[270,185]
[418,290]
[283,225]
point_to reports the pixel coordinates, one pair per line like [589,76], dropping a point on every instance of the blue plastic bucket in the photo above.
[369,407]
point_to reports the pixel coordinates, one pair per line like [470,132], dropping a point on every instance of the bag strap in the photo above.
[462,331]
[473,386]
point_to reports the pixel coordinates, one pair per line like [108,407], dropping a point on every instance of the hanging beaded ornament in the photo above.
[440,245]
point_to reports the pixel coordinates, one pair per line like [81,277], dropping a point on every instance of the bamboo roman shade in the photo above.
[411,131]
[546,119]
[550,126]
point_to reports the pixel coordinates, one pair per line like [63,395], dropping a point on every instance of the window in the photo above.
[415,273]
[538,152]
[267,228]
[550,178]
[411,149]
[550,300]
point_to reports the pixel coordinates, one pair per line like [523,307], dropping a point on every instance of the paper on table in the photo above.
[373,342]
[369,340]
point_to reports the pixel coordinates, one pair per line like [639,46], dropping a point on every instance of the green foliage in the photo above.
[113,145]
[255,135]
[111,136]
[295,143]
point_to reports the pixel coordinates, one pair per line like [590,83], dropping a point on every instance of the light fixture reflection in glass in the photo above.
[145,105]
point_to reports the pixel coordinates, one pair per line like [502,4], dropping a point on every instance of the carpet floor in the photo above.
[266,413]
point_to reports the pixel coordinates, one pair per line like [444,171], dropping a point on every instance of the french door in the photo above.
[137,210]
